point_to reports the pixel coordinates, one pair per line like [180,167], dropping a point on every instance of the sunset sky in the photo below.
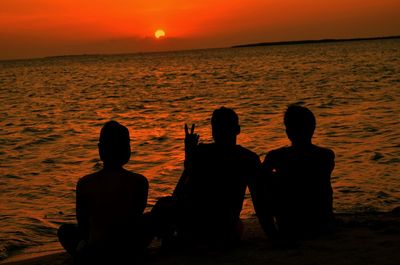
[35,28]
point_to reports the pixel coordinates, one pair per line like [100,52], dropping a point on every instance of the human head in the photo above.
[300,124]
[114,144]
[225,126]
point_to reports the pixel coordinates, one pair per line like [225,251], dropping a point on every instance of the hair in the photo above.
[114,143]
[224,117]
[225,126]
[300,122]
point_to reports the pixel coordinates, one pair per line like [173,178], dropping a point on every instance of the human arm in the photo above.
[142,195]
[82,212]
[328,191]
[253,182]
[191,143]
[264,197]
[180,186]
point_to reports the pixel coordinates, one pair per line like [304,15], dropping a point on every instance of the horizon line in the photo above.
[248,45]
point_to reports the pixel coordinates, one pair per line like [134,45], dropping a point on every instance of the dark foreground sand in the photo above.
[365,239]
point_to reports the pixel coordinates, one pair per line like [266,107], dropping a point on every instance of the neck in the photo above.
[225,141]
[302,144]
[111,166]
[226,144]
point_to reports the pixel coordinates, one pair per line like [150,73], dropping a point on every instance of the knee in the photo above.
[66,230]
[61,231]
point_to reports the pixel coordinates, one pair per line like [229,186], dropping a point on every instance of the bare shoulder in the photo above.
[325,152]
[277,153]
[248,154]
[136,177]
[97,179]
[87,180]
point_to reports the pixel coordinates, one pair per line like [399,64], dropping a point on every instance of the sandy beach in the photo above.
[365,238]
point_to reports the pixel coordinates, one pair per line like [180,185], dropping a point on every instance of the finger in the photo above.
[192,129]
[186,129]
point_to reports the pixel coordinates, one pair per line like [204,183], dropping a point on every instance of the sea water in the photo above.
[52,109]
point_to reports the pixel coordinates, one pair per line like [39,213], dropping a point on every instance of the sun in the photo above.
[159,33]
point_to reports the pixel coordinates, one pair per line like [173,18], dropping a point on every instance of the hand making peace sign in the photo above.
[191,140]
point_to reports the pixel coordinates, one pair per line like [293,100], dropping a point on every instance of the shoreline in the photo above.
[299,42]
[361,238]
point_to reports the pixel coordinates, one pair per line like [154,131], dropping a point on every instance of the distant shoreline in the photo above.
[296,42]
[260,44]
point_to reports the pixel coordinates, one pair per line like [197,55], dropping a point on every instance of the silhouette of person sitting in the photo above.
[294,189]
[212,188]
[109,204]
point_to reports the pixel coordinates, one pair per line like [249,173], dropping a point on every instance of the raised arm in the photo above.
[191,143]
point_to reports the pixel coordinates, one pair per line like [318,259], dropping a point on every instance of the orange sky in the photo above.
[34,28]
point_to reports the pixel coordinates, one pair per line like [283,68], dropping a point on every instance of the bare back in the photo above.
[109,202]
[298,183]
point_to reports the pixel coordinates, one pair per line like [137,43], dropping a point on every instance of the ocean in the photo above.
[52,109]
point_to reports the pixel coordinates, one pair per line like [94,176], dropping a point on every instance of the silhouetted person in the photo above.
[109,204]
[211,191]
[294,190]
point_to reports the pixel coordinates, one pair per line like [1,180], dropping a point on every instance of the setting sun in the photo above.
[159,33]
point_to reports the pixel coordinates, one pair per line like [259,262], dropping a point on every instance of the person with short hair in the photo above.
[294,187]
[212,188]
[109,204]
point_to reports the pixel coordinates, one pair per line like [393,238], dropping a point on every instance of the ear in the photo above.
[238,130]
[101,151]
[289,134]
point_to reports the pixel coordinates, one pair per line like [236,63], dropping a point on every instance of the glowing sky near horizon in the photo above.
[32,28]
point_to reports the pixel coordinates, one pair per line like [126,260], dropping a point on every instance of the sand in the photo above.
[367,239]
